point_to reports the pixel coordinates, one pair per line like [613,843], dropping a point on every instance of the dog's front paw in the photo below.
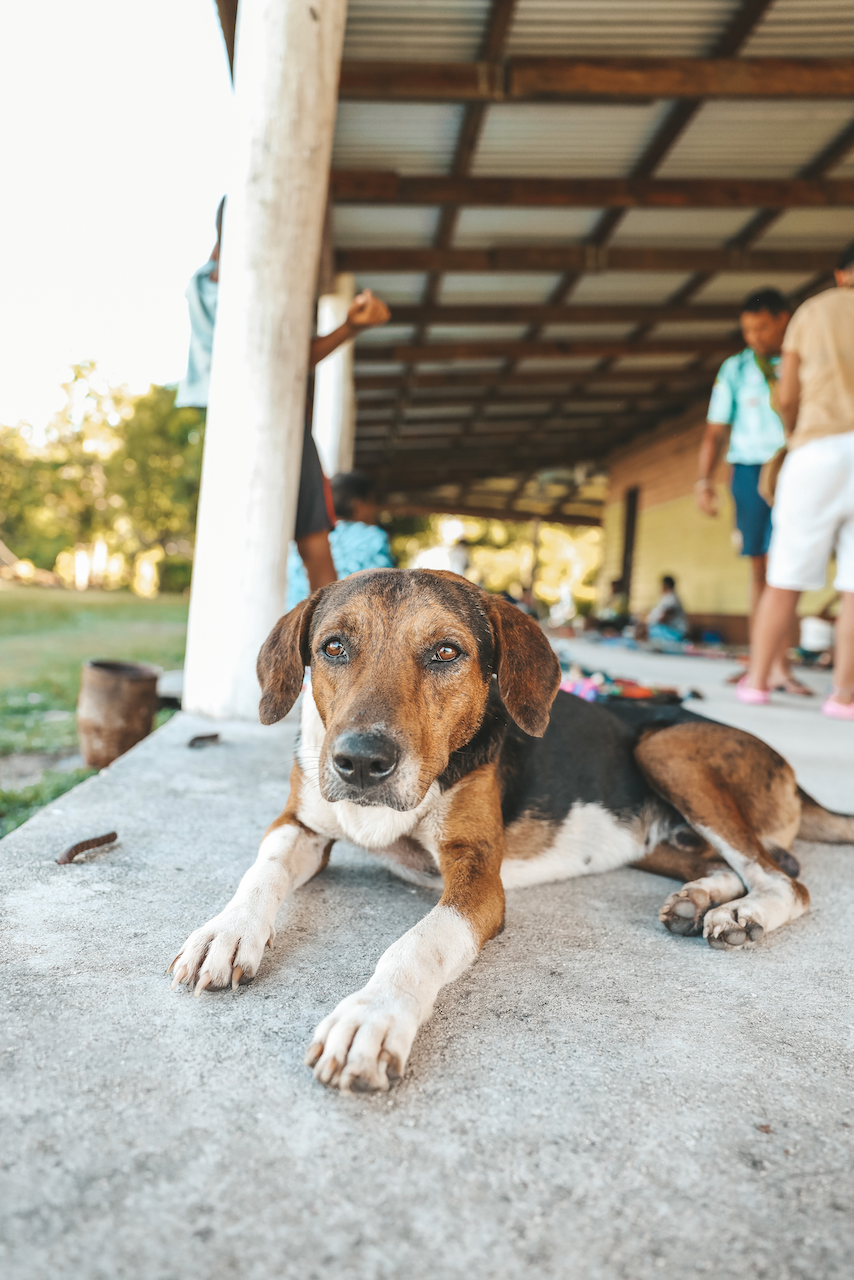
[223,951]
[363,1045]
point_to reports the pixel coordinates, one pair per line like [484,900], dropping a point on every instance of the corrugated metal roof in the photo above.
[732,286]
[559,365]
[484,228]
[364,368]
[454,366]
[765,139]
[558,139]
[695,328]
[518,287]
[409,137]
[810,229]
[846,168]
[380,225]
[666,28]
[658,362]
[417,30]
[388,333]
[429,412]
[628,286]
[394,287]
[589,332]
[804,29]
[701,228]
[497,410]
[475,333]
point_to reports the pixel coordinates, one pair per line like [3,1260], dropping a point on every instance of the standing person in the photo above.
[315,515]
[357,541]
[742,422]
[814,503]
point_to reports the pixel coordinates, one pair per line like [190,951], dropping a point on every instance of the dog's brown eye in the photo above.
[447,653]
[333,648]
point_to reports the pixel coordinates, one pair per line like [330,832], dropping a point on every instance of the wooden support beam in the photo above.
[418,503]
[367,408]
[587,258]
[366,186]
[596,79]
[375,353]
[569,313]
[535,378]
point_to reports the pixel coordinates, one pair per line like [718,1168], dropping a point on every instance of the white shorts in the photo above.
[813,513]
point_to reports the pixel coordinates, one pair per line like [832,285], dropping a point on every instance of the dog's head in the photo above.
[401,663]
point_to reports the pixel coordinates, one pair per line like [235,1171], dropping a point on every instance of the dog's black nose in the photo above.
[364,759]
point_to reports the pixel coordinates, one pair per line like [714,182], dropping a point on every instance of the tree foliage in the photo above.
[111,466]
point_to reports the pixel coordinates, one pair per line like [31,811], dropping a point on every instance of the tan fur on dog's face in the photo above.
[396,676]
[408,656]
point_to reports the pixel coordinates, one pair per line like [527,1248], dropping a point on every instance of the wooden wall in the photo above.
[673,537]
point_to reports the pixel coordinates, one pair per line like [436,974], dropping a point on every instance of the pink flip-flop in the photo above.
[751,697]
[838,710]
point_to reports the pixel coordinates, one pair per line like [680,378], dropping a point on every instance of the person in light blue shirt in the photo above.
[742,421]
[357,542]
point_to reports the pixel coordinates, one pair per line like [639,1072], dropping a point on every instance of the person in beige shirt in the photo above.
[814,505]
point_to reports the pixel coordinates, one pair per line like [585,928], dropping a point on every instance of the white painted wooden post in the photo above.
[286,84]
[334,422]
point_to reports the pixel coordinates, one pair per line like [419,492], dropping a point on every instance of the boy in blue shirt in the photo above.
[742,421]
[357,541]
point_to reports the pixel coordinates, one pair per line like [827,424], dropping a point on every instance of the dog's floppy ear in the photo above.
[282,661]
[528,671]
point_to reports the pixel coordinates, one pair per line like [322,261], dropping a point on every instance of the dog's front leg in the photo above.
[231,945]
[364,1043]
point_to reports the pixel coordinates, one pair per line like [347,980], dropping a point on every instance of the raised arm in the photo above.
[366,312]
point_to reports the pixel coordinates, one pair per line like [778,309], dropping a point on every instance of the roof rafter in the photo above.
[360,186]
[585,257]
[596,79]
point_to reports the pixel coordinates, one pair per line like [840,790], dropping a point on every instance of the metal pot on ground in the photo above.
[116,708]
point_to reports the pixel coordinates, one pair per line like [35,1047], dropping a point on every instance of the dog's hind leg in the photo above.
[741,797]
[709,882]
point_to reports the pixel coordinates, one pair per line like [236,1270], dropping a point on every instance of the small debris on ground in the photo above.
[204,740]
[83,846]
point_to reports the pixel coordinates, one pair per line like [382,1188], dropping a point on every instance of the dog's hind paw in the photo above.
[684,911]
[729,927]
[363,1045]
[223,951]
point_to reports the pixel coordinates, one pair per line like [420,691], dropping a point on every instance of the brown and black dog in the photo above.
[432,736]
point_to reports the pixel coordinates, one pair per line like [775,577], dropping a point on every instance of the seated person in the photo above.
[614,615]
[667,621]
[357,542]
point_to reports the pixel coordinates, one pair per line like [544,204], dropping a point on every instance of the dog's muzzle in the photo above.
[364,761]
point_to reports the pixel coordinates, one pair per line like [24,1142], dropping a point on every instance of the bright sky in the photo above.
[114,153]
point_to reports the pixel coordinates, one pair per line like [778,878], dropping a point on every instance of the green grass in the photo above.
[17,806]
[45,636]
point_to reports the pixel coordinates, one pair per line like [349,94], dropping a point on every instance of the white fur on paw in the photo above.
[683,912]
[734,924]
[223,951]
[363,1045]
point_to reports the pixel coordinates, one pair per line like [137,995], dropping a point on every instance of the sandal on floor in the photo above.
[751,697]
[794,687]
[838,710]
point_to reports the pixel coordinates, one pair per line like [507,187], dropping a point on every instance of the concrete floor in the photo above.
[594,1099]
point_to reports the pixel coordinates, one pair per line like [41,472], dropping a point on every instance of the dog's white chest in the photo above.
[372,827]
